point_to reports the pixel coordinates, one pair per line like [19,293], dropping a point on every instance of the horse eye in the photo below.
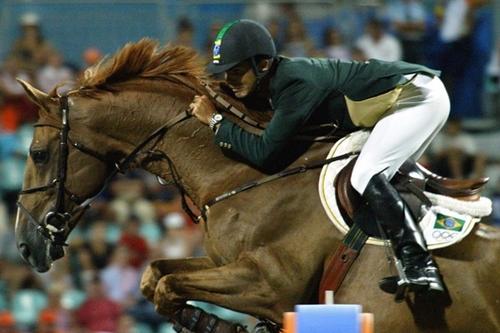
[39,156]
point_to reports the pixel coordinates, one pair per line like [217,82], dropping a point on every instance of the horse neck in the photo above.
[205,172]
[202,167]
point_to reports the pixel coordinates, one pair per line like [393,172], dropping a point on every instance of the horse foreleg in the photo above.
[182,315]
[162,267]
[240,286]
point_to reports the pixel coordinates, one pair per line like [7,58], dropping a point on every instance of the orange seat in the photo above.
[367,323]
[289,322]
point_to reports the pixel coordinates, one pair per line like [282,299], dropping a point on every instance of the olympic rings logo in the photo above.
[444,235]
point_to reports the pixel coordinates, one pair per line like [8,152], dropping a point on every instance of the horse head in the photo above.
[82,139]
[59,177]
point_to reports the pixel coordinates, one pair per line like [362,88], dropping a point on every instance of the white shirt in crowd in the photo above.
[403,11]
[10,84]
[49,76]
[462,141]
[387,48]
[338,52]
[455,24]
[493,68]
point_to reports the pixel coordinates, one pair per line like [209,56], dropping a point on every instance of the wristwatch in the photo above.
[215,119]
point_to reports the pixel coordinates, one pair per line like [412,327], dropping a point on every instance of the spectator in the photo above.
[455,153]
[4,225]
[274,27]
[297,43]
[126,325]
[358,55]
[13,152]
[261,11]
[58,278]
[7,322]
[83,269]
[54,318]
[185,33]
[16,108]
[97,245]
[47,322]
[98,313]
[495,198]
[180,240]
[91,56]
[376,43]
[120,279]
[334,46]
[463,53]
[144,311]
[31,48]
[134,242]
[54,73]
[494,83]
[455,23]
[407,18]
[494,65]
[129,200]
[27,279]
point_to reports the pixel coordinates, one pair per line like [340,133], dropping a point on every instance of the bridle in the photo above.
[54,226]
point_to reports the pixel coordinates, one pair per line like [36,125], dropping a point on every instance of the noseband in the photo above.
[54,226]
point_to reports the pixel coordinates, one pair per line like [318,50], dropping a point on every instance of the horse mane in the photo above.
[143,59]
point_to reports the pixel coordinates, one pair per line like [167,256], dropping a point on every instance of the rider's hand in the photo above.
[202,108]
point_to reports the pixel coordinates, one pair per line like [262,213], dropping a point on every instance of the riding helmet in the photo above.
[238,41]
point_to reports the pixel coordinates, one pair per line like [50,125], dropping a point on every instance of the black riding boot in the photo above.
[418,272]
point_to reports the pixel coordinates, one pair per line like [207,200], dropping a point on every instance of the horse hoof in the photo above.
[266,327]
[181,329]
[389,284]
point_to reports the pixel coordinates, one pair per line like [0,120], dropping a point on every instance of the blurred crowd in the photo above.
[95,288]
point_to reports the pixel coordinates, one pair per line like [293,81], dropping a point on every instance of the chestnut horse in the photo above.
[266,247]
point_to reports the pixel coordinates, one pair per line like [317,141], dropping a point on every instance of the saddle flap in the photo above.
[348,198]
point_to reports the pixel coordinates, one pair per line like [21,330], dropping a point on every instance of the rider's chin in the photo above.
[241,93]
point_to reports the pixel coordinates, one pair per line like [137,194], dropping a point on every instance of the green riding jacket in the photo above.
[305,90]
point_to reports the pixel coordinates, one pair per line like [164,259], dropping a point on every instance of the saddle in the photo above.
[411,181]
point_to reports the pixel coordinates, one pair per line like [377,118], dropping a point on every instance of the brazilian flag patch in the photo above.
[448,223]
[216,51]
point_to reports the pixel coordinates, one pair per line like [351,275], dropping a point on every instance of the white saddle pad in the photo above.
[442,225]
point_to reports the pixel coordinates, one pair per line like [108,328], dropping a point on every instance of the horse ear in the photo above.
[37,96]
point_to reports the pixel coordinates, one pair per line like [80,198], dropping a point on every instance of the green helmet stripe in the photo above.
[218,41]
[224,29]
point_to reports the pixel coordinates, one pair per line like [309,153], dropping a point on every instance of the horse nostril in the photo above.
[25,251]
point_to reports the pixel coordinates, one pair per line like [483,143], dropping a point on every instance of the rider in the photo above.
[405,105]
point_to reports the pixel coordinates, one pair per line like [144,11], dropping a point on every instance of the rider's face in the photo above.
[241,79]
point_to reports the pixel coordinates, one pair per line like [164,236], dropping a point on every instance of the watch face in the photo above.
[218,117]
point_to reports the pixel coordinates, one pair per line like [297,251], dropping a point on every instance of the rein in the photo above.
[229,108]
[270,178]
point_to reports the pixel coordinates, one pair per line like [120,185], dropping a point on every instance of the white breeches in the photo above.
[419,113]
